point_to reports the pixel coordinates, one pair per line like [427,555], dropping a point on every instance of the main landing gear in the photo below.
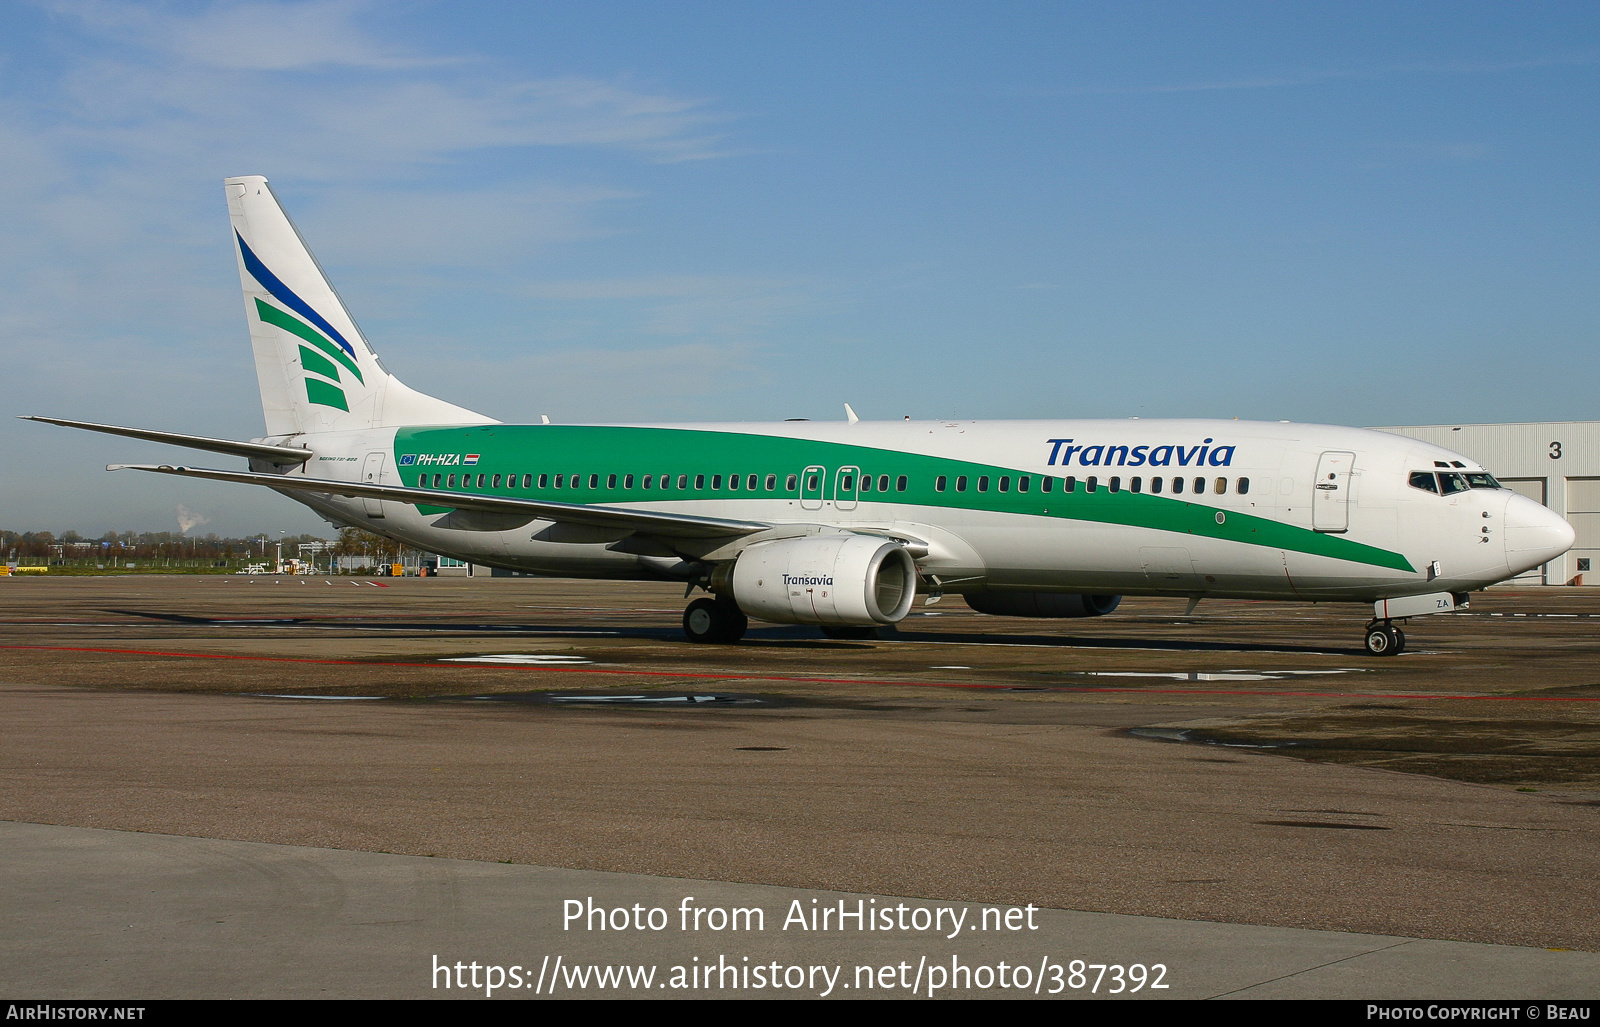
[714,620]
[1384,639]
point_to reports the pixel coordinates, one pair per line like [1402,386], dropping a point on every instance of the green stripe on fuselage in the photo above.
[585,450]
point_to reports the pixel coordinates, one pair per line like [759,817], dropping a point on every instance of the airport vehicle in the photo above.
[840,525]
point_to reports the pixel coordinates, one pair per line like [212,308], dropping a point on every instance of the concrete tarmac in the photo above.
[115,915]
[532,724]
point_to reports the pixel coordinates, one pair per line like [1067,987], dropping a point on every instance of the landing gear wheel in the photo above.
[714,620]
[844,633]
[1385,640]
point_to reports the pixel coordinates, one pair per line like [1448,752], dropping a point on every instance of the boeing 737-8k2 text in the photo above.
[840,525]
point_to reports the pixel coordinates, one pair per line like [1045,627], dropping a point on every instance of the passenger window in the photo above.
[452,481]
[772,482]
[627,481]
[961,483]
[611,481]
[900,483]
[1177,486]
[1450,483]
[1091,483]
[733,482]
[480,480]
[527,481]
[755,479]
[866,483]
[644,482]
[1244,486]
[699,482]
[883,483]
[1047,483]
[716,482]
[1022,483]
[496,482]
[811,483]
[1005,483]
[983,483]
[791,482]
[1199,486]
[683,481]
[1135,484]
[1222,486]
[594,481]
[938,483]
[1069,483]
[1116,484]
[544,481]
[422,482]
[1155,486]
[436,479]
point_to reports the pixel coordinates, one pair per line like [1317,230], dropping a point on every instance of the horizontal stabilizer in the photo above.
[647,522]
[256,450]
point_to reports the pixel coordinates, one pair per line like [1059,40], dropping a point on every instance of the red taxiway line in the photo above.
[543,668]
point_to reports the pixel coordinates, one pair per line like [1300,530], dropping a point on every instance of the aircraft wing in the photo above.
[257,450]
[646,522]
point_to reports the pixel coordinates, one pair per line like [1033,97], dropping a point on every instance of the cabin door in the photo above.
[1330,494]
[372,474]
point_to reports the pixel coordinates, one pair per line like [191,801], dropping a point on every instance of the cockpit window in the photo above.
[1450,483]
[1424,480]
[1482,480]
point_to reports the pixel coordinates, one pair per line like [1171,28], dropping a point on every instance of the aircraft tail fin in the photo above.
[316,370]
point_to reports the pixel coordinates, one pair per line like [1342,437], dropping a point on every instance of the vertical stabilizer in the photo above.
[317,372]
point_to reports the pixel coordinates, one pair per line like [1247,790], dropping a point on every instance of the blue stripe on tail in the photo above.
[286,295]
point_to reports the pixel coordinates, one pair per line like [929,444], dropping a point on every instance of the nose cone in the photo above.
[1534,534]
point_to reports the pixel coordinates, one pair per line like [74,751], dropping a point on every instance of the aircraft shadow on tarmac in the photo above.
[776,636]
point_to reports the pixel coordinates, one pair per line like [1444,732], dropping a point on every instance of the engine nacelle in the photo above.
[840,579]
[1041,604]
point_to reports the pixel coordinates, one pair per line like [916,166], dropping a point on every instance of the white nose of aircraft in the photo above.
[1534,534]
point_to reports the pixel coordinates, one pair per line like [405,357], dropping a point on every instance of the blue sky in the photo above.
[1352,213]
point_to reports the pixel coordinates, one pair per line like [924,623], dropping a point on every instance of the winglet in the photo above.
[850,414]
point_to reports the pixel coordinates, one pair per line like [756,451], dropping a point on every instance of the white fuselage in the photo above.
[1296,547]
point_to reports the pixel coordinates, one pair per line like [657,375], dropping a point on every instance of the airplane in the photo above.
[840,525]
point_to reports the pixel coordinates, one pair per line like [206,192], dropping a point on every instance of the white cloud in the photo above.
[255,36]
[684,381]
[118,296]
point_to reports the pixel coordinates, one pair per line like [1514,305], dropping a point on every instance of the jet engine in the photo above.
[1041,604]
[826,579]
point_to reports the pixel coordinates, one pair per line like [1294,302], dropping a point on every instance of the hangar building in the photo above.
[1556,463]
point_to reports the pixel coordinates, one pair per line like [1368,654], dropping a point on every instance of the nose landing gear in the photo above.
[714,620]
[1384,639]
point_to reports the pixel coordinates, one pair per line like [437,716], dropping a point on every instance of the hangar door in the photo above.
[1534,489]
[1583,513]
